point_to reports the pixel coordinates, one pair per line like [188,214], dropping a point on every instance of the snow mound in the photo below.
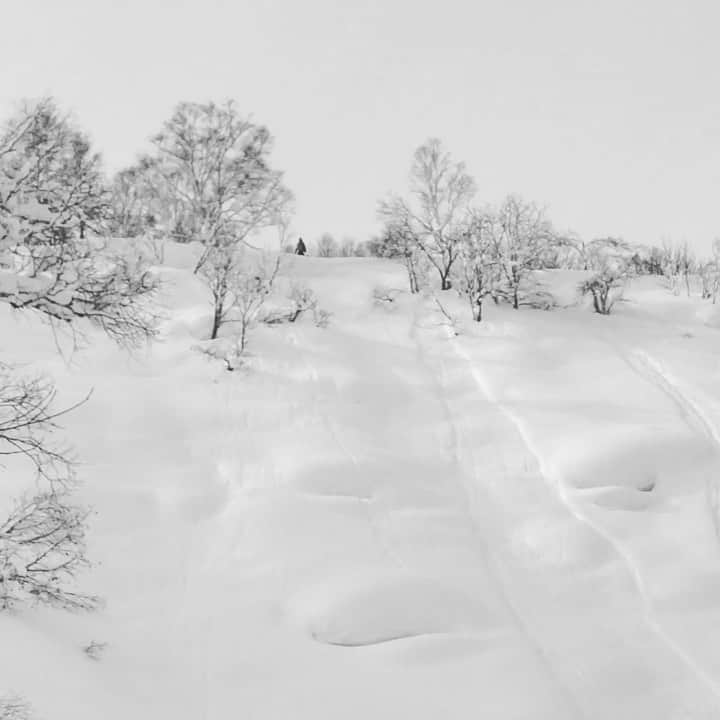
[619,498]
[370,609]
[642,459]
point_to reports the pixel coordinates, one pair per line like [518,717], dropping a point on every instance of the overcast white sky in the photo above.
[607,112]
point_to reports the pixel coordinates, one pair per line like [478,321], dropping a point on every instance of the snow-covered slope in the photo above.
[382,520]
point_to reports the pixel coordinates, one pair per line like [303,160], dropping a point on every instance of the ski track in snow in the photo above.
[491,564]
[652,370]
[485,388]
[568,690]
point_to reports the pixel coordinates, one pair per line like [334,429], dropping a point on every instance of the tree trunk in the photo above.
[412,275]
[243,334]
[477,314]
[217,321]
[604,300]
[445,282]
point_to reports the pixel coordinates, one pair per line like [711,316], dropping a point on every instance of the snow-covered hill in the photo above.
[379,519]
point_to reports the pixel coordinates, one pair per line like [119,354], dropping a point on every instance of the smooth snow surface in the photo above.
[382,520]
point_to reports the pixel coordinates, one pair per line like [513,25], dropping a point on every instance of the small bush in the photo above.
[95,650]
[302,300]
[321,317]
[605,287]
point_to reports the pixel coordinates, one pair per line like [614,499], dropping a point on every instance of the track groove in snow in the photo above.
[491,565]
[653,371]
[710,709]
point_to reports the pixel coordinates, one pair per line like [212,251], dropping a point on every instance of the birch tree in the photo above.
[53,208]
[135,203]
[239,286]
[212,170]
[327,246]
[521,234]
[437,212]
[398,241]
[607,284]
[479,263]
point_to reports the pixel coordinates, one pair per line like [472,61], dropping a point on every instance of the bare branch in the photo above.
[42,549]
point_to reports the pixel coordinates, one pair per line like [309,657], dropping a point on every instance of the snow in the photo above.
[381,520]
[374,607]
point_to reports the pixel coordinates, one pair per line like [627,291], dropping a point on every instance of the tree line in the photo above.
[482,251]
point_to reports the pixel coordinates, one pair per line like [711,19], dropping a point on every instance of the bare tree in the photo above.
[327,246]
[28,419]
[479,263]
[438,216]
[42,548]
[686,264]
[599,251]
[362,249]
[347,247]
[239,287]
[42,541]
[565,252]
[709,272]
[654,261]
[521,234]
[576,256]
[672,266]
[109,290]
[585,254]
[51,192]
[212,169]
[715,264]
[398,241]
[50,180]
[134,201]
[606,286]
[282,220]
[302,300]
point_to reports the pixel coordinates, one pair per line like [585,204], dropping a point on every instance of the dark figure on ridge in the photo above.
[300,248]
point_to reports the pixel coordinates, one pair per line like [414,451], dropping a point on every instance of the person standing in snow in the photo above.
[300,248]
